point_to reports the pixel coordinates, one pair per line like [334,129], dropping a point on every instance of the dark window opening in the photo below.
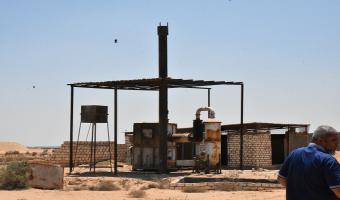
[278,154]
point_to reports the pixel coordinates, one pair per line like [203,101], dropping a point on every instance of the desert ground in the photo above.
[80,186]
[154,194]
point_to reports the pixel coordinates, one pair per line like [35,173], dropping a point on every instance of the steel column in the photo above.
[71,131]
[209,97]
[241,128]
[115,132]
[95,148]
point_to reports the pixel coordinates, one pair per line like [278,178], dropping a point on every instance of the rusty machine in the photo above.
[146,145]
[200,149]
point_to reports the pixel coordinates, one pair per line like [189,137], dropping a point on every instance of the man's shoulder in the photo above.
[311,150]
[299,150]
[326,159]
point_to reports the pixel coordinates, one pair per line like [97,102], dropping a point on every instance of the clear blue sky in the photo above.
[286,52]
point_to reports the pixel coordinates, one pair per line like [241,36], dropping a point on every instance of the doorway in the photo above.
[278,153]
[224,150]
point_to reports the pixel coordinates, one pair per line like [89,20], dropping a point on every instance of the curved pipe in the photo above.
[211,112]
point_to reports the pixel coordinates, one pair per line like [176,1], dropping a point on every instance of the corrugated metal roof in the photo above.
[152,84]
[261,126]
[252,126]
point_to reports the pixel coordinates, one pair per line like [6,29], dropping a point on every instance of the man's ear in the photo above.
[320,141]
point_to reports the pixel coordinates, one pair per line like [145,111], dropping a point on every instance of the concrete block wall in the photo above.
[257,150]
[81,154]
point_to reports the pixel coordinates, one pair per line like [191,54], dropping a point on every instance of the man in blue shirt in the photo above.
[312,172]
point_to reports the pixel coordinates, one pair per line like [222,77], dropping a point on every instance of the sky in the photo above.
[287,53]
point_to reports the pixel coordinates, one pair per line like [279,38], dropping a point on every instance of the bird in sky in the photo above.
[116,40]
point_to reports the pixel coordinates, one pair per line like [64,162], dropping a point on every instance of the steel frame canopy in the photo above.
[160,84]
[152,84]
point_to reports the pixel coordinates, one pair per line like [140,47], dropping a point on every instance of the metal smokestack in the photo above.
[163,96]
[163,50]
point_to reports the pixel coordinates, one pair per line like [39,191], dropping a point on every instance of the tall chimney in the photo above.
[163,51]
[163,97]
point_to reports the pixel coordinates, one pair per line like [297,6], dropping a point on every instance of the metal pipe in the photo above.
[71,130]
[241,128]
[211,112]
[116,132]
[209,100]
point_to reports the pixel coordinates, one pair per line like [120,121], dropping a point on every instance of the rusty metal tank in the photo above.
[212,141]
[210,144]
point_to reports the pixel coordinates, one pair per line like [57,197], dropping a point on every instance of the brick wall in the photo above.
[81,154]
[257,150]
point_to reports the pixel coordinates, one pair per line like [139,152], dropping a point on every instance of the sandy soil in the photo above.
[152,194]
[137,181]
[12,146]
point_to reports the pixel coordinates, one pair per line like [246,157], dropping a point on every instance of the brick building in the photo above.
[265,145]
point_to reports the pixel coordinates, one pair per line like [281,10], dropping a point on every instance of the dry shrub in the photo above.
[125,183]
[76,181]
[12,153]
[92,187]
[44,152]
[139,182]
[80,187]
[194,189]
[144,187]
[137,193]
[14,176]
[105,186]
[147,186]
[153,185]
[164,184]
